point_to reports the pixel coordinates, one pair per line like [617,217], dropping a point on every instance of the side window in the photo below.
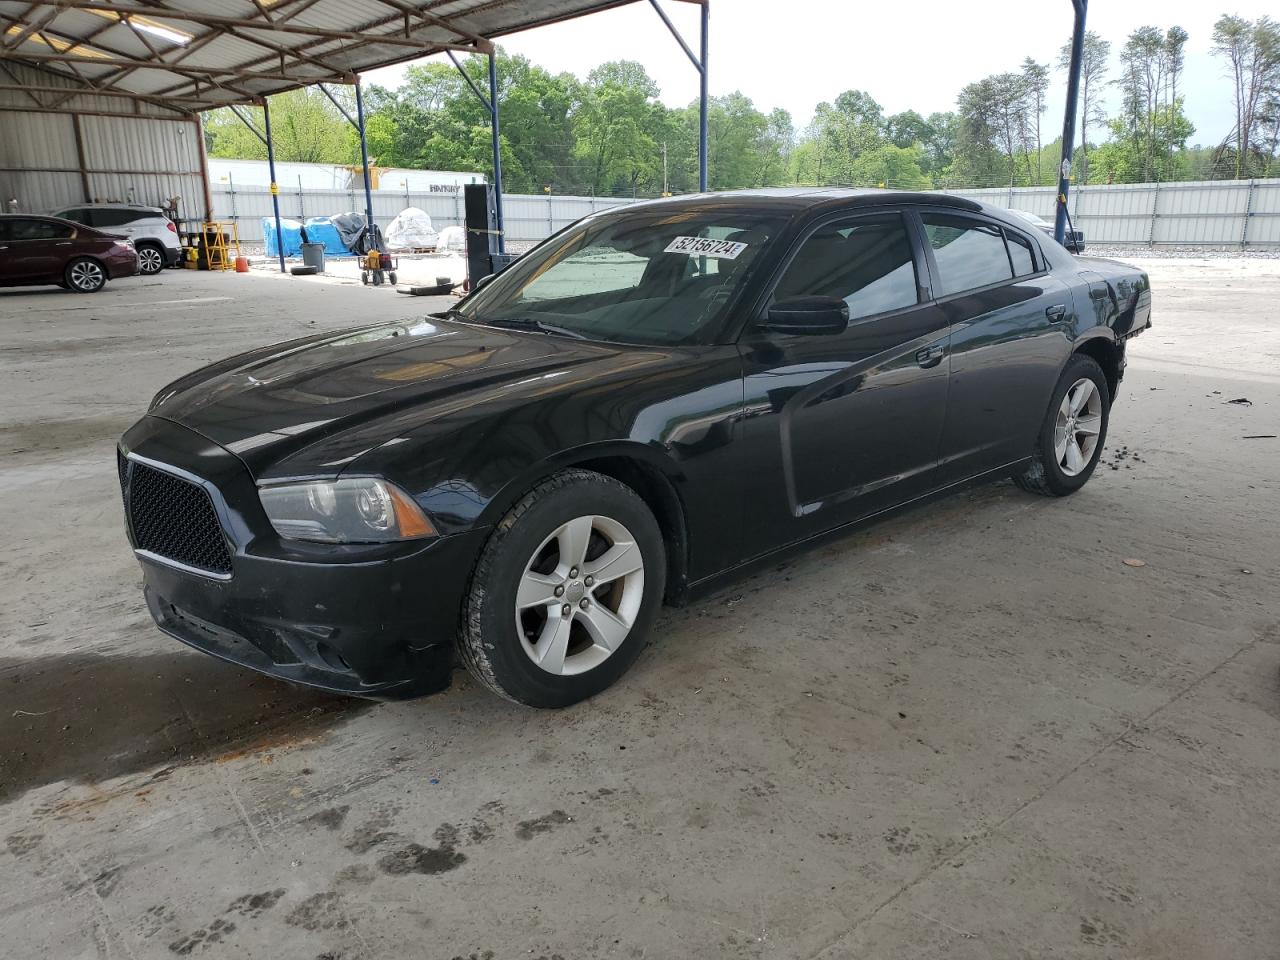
[75,214]
[969,253]
[1024,263]
[39,230]
[865,262]
[115,218]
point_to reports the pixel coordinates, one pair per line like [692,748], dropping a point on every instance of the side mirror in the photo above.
[808,316]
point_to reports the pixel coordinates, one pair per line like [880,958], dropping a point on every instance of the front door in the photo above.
[841,426]
[37,249]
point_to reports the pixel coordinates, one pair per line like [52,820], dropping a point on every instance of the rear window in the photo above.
[118,218]
[1024,262]
[969,253]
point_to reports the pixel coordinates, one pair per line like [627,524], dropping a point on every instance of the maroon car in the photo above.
[39,250]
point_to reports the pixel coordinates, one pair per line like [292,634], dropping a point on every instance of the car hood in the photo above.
[267,405]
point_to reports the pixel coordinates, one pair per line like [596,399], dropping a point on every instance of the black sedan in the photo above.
[653,400]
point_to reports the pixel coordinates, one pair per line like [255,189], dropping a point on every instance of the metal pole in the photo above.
[204,170]
[702,101]
[1069,120]
[497,152]
[364,162]
[275,187]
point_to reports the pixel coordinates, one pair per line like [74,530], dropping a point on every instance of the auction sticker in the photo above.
[705,247]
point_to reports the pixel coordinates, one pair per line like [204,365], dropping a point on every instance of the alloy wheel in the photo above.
[579,595]
[1079,424]
[150,260]
[86,275]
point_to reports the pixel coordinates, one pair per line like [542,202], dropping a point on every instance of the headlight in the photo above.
[355,510]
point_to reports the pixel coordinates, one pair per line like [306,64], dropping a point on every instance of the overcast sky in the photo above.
[837,45]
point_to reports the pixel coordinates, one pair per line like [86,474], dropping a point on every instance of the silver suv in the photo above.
[153,234]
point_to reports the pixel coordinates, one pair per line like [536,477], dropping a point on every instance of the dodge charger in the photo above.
[655,399]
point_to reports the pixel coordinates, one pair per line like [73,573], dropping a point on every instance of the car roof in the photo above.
[797,199]
[40,216]
[111,206]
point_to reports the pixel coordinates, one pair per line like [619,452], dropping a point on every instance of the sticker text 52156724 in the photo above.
[705,247]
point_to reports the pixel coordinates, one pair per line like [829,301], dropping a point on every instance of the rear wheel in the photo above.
[564,591]
[1073,433]
[85,276]
[150,258]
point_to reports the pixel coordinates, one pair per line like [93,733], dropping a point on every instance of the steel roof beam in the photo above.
[213,20]
[241,73]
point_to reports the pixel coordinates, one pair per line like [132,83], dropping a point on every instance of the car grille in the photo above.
[173,518]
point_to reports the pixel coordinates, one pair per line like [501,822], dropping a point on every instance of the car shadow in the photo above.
[50,290]
[89,718]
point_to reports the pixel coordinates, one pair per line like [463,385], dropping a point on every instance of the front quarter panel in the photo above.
[468,459]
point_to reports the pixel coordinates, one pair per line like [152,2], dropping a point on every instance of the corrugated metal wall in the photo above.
[143,157]
[527,217]
[1223,213]
[1209,213]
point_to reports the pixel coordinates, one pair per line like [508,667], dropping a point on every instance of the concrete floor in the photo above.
[971,732]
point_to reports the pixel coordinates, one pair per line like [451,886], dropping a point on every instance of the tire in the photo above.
[515,637]
[1056,470]
[85,275]
[391,278]
[364,277]
[150,259]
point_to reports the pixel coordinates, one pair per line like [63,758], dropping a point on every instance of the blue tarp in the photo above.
[322,230]
[292,232]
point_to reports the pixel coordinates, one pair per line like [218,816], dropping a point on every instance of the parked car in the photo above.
[150,229]
[45,250]
[655,399]
[1073,240]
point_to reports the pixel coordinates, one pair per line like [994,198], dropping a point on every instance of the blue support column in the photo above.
[275,188]
[497,151]
[364,163]
[1069,120]
[700,64]
[702,101]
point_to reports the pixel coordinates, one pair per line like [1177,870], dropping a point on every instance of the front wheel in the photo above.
[1074,430]
[85,276]
[564,592]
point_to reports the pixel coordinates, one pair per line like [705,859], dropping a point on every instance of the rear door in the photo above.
[841,426]
[1010,323]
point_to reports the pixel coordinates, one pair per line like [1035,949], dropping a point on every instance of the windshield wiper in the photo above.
[539,326]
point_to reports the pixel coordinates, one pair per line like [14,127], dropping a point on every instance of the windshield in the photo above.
[645,276]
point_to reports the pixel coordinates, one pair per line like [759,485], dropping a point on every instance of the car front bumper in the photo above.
[373,621]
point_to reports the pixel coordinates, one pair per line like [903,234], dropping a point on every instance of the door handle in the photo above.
[1055,313]
[928,357]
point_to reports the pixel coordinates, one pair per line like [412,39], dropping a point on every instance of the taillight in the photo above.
[170,227]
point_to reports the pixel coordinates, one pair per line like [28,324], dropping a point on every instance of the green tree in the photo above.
[614,129]
[889,165]
[1253,51]
[1035,80]
[1093,70]
[305,128]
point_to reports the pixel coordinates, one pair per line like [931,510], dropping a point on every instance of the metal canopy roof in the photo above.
[192,55]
